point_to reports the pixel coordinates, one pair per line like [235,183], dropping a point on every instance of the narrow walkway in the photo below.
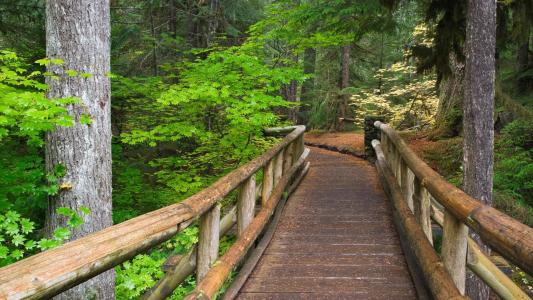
[335,239]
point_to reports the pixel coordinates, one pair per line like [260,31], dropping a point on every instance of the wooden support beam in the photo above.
[422,205]
[278,166]
[406,183]
[268,181]
[245,204]
[208,240]
[454,248]
[287,157]
[187,264]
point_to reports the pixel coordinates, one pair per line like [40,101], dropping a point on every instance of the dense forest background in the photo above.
[194,82]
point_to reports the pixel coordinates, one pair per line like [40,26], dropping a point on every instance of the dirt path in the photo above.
[350,140]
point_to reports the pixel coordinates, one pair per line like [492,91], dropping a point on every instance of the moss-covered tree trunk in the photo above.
[478,115]
[78,32]
[451,92]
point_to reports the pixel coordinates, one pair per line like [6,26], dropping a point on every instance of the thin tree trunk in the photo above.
[172,20]
[380,82]
[307,95]
[478,117]
[78,32]
[212,22]
[344,83]
[154,37]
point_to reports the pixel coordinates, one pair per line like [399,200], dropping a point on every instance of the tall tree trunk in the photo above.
[172,19]
[78,32]
[154,37]
[212,22]
[451,93]
[478,120]
[307,94]
[344,83]
[380,82]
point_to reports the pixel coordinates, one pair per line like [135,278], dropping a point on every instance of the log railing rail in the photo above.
[413,186]
[51,272]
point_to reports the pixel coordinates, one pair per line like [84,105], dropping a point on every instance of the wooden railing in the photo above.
[420,194]
[51,272]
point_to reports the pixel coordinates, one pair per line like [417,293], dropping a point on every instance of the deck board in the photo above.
[335,240]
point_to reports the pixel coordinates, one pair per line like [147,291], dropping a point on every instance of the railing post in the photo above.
[454,249]
[406,183]
[208,240]
[268,181]
[385,147]
[422,206]
[397,161]
[298,147]
[278,166]
[246,204]
[287,158]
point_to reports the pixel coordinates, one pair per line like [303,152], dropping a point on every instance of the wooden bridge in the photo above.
[310,224]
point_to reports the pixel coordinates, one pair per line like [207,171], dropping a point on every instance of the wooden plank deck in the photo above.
[335,239]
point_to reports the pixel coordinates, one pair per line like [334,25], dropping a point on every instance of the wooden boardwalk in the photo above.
[335,240]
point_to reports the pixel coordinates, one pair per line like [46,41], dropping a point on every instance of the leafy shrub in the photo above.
[514,162]
[16,241]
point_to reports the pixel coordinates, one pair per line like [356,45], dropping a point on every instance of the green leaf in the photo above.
[62,233]
[71,73]
[65,211]
[85,210]
[17,254]
[4,251]
[57,61]
[18,239]
[27,226]
[85,119]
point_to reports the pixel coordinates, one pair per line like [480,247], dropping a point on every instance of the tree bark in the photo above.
[78,32]
[478,120]
[344,83]
[451,93]
[212,22]
[307,94]
[154,37]
[172,19]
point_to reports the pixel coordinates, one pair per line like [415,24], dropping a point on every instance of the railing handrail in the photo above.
[428,270]
[506,235]
[51,272]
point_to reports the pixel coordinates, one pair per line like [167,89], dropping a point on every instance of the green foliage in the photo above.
[514,162]
[17,238]
[136,276]
[224,101]
[25,112]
